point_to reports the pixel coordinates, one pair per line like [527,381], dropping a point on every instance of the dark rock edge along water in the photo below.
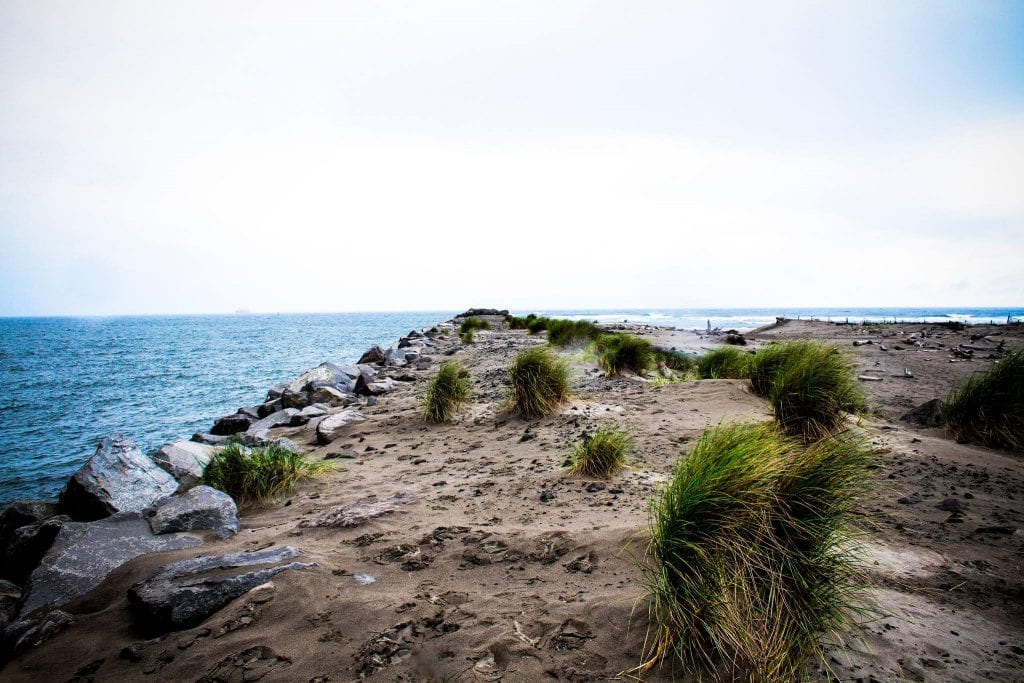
[122,503]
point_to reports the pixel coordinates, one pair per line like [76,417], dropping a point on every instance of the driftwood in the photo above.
[869,378]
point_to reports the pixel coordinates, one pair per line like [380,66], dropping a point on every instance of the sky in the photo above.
[204,157]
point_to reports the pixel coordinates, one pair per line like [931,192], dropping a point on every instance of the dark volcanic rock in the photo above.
[926,415]
[231,424]
[118,478]
[184,593]
[374,355]
[295,399]
[200,509]
[10,596]
[83,555]
[21,513]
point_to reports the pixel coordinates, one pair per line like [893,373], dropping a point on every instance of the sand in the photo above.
[499,567]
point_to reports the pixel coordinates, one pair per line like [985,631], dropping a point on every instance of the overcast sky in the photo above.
[205,157]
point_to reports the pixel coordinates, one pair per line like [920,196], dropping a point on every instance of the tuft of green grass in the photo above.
[749,564]
[536,324]
[726,362]
[621,352]
[470,325]
[571,332]
[258,474]
[520,322]
[602,453]
[676,361]
[540,383]
[813,390]
[767,362]
[989,407]
[467,337]
[446,393]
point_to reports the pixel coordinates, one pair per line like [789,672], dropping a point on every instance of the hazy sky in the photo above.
[205,157]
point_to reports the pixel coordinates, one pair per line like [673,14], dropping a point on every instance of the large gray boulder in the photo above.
[325,374]
[258,432]
[331,427]
[200,509]
[184,460]
[118,478]
[186,592]
[374,355]
[330,396]
[84,554]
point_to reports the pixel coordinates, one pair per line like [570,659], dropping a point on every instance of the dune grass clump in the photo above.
[540,383]
[676,360]
[813,390]
[749,564]
[571,332]
[536,324]
[618,353]
[602,453]
[989,407]
[446,393]
[726,362]
[469,327]
[767,362]
[258,474]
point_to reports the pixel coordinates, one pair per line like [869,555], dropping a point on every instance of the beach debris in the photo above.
[185,592]
[199,509]
[883,347]
[907,373]
[117,478]
[184,460]
[84,554]
[869,378]
[331,427]
[361,511]
[364,579]
[735,338]
[928,414]
[862,342]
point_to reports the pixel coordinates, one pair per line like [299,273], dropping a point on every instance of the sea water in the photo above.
[69,381]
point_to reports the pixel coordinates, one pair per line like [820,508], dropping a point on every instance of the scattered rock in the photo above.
[118,478]
[950,505]
[256,434]
[200,509]
[330,396]
[331,427]
[184,460]
[184,593]
[374,355]
[83,554]
[360,511]
[33,632]
[211,439]
[546,496]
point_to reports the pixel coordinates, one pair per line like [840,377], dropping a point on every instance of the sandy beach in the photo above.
[495,565]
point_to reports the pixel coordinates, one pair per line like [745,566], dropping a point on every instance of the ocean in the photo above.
[69,381]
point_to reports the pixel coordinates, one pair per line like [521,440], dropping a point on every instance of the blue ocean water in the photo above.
[69,381]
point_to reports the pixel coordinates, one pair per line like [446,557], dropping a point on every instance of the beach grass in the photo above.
[988,408]
[571,332]
[540,383]
[446,393]
[726,362]
[676,361]
[813,390]
[257,475]
[767,362]
[749,564]
[618,353]
[469,328]
[602,453]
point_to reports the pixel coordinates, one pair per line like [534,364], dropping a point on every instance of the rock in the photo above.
[23,512]
[249,412]
[736,339]
[325,374]
[83,554]
[269,407]
[288,445]
[374,355]
[211,439]
[200,509]
[330,396]
[118,478]
[482,311]
[276,391]
[330,427]
[10,596]
[231,424]
[927,414]
[950,505]
[361,511]
[186,592]
[28,545]
[256,434]
[184,460]
[381,386]
[295,399]
[29,633]
[395,357]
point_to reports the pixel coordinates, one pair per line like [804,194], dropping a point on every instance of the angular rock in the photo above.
[259,430]
[295,399]
[276,391]
[118,478]
[381,386]
[200,509]
[21,513]
[331,427]
[325,374]
[28,545]
[84,554]
[288,445]
[33,632]
[395,357]
[186,592]
[374,355]
[184,460]
[927,414]
[269,407]
[231,424]
[210,439]
[330,396]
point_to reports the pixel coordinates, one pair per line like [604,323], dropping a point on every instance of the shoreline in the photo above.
[486,464]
